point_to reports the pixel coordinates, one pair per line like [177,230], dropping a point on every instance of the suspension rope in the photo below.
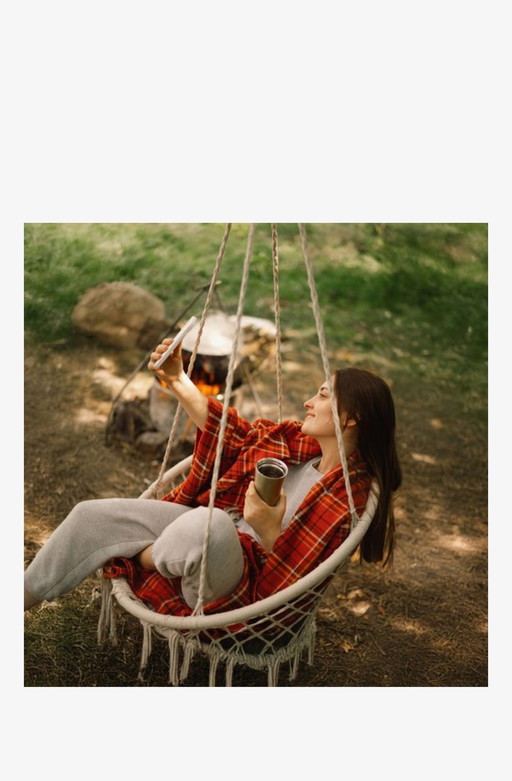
[327,371]
[277,315]
[206,308]
[198,610]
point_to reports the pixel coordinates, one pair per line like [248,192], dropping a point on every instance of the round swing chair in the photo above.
[280,628]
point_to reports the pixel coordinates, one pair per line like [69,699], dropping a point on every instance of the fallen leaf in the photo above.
[423,458]
[356,592]
[360,608]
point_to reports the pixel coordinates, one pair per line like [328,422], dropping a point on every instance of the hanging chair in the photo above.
[277,629]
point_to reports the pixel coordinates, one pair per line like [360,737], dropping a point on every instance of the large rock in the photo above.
[121,314]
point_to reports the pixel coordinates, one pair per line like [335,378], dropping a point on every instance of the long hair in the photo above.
[367,400]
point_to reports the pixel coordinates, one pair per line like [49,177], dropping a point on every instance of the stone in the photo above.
[121,314]
[151,442]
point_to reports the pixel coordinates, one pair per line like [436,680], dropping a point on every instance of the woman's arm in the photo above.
[172,374]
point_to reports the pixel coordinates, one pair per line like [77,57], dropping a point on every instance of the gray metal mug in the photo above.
[268,479]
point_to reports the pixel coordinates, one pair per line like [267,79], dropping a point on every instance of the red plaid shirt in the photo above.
[318,527]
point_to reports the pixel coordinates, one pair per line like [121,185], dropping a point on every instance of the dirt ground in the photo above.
[422,622]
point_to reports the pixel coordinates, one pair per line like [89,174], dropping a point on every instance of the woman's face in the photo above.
[318,422]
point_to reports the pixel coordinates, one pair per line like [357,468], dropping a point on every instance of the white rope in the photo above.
[206,309]
[277,315]
[327,371]
[198,610]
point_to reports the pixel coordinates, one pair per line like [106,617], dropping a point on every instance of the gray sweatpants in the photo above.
[99,529]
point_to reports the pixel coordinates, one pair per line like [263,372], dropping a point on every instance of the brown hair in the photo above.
[367,400]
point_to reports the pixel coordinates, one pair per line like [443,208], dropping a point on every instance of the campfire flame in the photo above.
[209,372]
[206,388]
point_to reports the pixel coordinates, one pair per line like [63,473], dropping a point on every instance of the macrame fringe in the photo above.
[188,655]
[107,619]
[174,658]
[229,671]
[294,666]
[311,649]
[214,663]
[273,671]
[147,647]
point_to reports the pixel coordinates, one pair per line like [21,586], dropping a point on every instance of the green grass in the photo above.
[415,295]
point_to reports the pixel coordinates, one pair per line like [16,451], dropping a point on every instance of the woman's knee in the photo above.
[81,513]
[179,550]
[90,520]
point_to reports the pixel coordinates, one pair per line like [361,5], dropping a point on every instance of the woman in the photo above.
[254,549]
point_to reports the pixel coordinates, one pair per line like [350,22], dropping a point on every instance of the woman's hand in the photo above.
[172,369]
[171,373]
[264,519]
